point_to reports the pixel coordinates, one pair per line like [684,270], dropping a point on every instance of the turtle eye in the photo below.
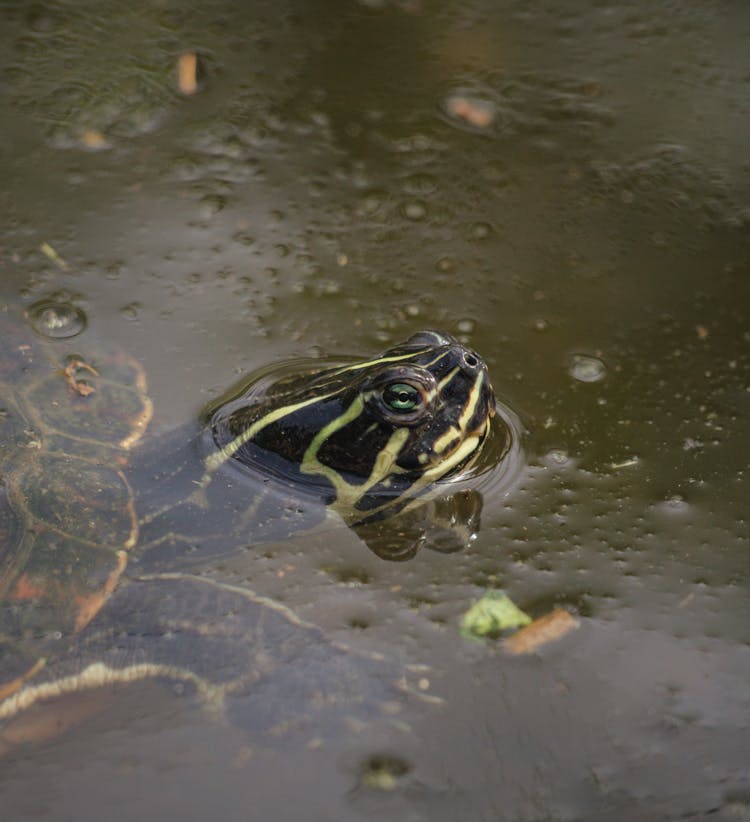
[401,397]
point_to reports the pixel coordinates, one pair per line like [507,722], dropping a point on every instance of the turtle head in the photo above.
[372,434]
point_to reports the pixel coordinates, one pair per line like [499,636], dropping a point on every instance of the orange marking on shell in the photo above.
[26,588]
[89,606]
[139,424]
[16,684]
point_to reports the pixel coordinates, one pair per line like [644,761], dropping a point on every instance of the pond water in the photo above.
[566,187]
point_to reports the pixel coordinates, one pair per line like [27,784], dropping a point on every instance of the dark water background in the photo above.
[317,194]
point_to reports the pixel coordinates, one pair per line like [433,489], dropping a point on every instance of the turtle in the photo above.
[101,531]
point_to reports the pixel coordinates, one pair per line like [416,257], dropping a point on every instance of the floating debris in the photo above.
[495,614]
[546,629]
[627,463]
[72,374]
[491,615]
[383,773]
[187,73]
[94,139]
[472,110]
[50,253]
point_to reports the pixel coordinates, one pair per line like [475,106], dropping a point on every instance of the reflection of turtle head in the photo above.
[371,435]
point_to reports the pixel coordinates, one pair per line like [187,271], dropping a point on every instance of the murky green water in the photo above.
[588,196]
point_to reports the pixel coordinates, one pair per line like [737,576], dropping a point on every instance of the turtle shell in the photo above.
[68,418]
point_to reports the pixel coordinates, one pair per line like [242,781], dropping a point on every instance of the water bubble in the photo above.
[56,320]
[113,271]
[480,231]
[131,311]
[675,504]
[587,369]
[415,210]
[420,184]
[466,326]
[372,202]
[211,204]
[328,288]
[557,458]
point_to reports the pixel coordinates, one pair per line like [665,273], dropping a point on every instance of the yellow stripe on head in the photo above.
[348,494]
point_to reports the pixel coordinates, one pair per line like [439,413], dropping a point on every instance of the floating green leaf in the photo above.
[494,613]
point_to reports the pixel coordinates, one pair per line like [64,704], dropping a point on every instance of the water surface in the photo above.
[566,187]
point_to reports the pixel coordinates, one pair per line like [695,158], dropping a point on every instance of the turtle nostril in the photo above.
[471,360]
